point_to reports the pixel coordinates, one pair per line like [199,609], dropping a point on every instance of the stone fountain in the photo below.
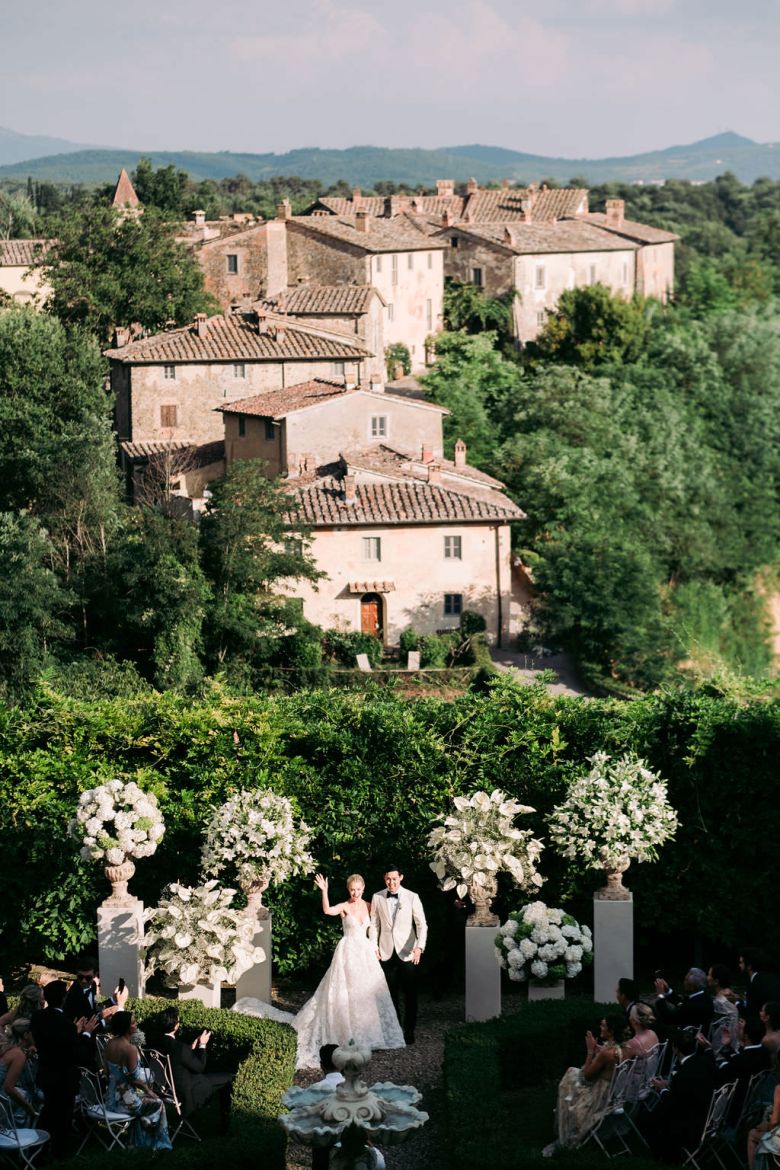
[353,1113]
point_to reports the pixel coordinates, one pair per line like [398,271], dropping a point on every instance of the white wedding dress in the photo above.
[352,1001]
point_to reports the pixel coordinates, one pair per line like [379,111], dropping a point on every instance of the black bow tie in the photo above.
[392,895]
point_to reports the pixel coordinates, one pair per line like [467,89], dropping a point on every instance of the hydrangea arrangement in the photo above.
[478,839]
[617,811]
[195,936]
[540,943]
[254,836]
[116,822]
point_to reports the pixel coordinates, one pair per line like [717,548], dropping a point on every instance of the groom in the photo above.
[399,929]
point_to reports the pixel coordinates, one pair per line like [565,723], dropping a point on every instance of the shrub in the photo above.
[344,646]
[512,1064]
[436,649]
[408,641]
[262,1053]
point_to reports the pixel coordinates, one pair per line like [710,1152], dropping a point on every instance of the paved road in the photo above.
[526,668]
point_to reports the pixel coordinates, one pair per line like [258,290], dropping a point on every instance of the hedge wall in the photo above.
[262,1054]
[369,772]
[507,1070]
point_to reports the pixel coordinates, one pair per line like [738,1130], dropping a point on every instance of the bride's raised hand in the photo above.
[321,882]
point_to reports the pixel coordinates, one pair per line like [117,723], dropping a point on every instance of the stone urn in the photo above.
[614,890]
[482,894]
[254,899]
[119,876]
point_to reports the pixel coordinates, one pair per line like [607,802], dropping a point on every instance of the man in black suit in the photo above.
[83,1001]
[194,1086]
[627,994]
[57,1043]
[693,1009]
[678,1120]
[740,1064]
[762,986]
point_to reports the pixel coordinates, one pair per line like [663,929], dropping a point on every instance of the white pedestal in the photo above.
[556,990]
[613,946]
[483,974]
[256,982]
[120,938]
[209,994]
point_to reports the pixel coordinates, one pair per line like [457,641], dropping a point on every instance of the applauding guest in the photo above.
[693,1009]
[641,1020]
[582,1092]
[57,1042]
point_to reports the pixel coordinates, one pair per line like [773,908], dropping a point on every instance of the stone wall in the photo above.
[412,284]
[655,271]
[540,280]
[249,282]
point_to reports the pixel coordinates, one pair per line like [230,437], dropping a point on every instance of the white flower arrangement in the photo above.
[540,943]
[116,822]
[479,839]
[617,811]
[196,936]
[254,835]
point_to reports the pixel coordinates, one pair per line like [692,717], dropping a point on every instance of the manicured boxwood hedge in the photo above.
[262,1053]
[500,1082]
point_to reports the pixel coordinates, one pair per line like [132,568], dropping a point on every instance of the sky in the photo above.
[568,78]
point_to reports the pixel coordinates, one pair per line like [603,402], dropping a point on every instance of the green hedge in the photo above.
[500,1081]
[369,772]
[262,1054]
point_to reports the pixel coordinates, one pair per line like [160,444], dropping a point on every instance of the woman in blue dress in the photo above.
[129,1090]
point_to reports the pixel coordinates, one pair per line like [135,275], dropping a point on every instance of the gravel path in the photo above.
[419,1065]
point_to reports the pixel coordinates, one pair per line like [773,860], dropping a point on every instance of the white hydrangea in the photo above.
[195,936]
[117,822]
[543,943]
[619,810]
[479,839]
[254,835]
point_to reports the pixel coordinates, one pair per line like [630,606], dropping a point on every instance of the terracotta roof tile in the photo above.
[278,403]
[568,235]
[506,206]
[322,505]
[383,235]
[124,192]
[236,338]
[202,454]
[319,299]
[642,232]
[15,253]
[388,460]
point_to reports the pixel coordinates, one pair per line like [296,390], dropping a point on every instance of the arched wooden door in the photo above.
[371,615]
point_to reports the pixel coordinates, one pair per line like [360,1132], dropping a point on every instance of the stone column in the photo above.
[209,994]
[120,939]
[613,943]
[483,973]
[256,982]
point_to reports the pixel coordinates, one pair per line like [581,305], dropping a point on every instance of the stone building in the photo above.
[17,282]
[404,536]
[356,310]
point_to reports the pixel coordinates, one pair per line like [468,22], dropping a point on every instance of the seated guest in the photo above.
[770,1018]
[677,1121]
[763,1143]
[194,1086]
[129,1090]
[3,998]
[640,1020]
[583,1092]
[724,1000]
[627,994]
[762,985]
[30,1001]
[57,1042]
[739,1063]
[21,1031]
[12,1063]
[693,1009]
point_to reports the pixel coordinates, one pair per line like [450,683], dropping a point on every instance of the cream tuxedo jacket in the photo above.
[407,931]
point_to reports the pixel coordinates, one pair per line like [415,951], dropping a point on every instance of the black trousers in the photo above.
[57,1116]
[402,979]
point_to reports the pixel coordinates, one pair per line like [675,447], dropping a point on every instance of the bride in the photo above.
[352,1001]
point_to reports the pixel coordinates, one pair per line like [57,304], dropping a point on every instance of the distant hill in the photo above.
[16,147]
[367,165]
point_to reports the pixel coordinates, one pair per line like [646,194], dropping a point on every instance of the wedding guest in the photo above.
[12,1064]
[724,1000]
[770,1018]
[194,1086]
[57,1043]
[763,1143]
[640,1020]
[677,1121]
[3,998]
[83,999]
[129,1090]
[762,985]
[627,994]
[693,1009]
[582,1092]
[740,1061]
[30,1001]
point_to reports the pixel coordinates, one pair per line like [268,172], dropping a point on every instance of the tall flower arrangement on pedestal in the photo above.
[538,942]
[478,840]
[116,823]
[196,936]
[253,836]
[617,812]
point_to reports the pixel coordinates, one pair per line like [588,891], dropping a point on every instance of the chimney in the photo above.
[445,188]
[396,205]
[199,217]
[350,489]
[284,210]
[505,184]
[376,385]
[262,321]
[357,195]
[427,453]
[277,277]
[616,210]
[280,334]
[362,221]
[121,336]
[201,324]
[527,208]
[460,453]
[446,218]
[434,472]
[472,187]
